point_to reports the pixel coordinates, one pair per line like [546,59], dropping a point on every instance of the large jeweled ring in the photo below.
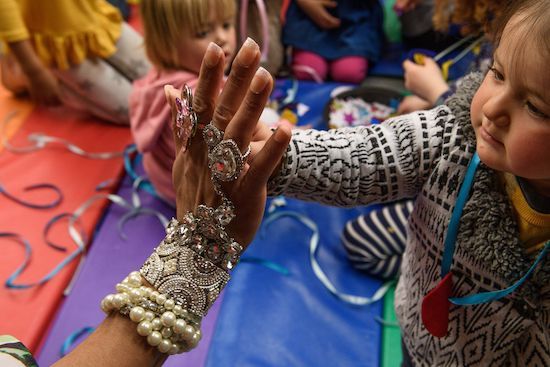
[226,161]
[186,118]
[212,135]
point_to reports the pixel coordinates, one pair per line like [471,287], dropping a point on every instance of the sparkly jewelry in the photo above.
[166,325]
[224,157]
[186,118]
[192,262]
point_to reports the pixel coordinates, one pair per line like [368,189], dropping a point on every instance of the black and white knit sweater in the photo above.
[425,155]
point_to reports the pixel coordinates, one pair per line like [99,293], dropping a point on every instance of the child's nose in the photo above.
[221,36]
[496,110]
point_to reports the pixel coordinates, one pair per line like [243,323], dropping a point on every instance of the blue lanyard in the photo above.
[450,243]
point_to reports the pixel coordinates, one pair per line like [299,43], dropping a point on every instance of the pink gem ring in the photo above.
[186,118]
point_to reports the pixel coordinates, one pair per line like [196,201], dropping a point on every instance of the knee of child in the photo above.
[352,69]
[309,66]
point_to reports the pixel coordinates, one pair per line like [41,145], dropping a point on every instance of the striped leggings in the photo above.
[375,241]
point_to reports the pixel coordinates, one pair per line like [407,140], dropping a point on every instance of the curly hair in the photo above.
[473,16]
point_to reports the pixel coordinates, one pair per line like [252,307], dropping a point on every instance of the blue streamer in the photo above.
[28,204]
[317,270]
[10,282]
[266,263]
[71,339]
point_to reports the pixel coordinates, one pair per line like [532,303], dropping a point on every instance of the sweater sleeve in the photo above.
[12,26]
[358,166]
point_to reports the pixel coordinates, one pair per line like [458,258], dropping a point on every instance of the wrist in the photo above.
[436,93]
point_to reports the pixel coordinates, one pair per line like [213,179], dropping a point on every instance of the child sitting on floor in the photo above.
[177,34]
[339,38]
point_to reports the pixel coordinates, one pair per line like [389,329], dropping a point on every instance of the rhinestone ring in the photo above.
[186,118]
[226,161]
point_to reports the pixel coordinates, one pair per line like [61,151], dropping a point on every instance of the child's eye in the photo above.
[535,111]
[202,34]
[227,25]
[497,74]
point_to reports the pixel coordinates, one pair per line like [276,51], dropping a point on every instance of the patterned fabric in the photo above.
[425,154]
[376,241]
[14,354]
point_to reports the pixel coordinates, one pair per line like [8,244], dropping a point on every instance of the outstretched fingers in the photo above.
[242,71]
[243,124]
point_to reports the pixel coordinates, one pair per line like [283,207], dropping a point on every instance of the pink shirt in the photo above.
[151,126]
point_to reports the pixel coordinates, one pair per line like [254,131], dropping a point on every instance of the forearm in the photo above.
[26,57]
[114,343]
[359,166]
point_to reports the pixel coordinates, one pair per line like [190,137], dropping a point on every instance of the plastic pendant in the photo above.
[435,307]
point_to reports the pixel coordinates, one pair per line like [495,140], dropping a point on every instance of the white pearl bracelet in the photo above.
[166,325]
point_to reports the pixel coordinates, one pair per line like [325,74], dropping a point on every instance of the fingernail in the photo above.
[279,135]
[248,52]
[212,55]
[260,80]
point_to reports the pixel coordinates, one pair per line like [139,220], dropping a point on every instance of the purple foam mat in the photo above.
[109,260]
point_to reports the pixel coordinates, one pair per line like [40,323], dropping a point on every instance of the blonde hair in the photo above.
[474,16]
[166,21]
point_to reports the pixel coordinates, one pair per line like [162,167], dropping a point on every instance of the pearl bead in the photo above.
[121,287]
[188,332]
[194,340]
[177,310]
[154,295]
[184,313]
[135,294]
[161,298]
[135,273]
[168,318]
[164,346]
[149,315]
[106,306]
[169,304]
[166,332]
[156,323]
[146,291]
[134,280]
[118,301]
[154,338]
[144,328]
[173,349]
[137,314]
[179,326]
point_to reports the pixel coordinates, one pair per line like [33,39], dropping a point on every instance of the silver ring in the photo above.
[246,153]
[226,161]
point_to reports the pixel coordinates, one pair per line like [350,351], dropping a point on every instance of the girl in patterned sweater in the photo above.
[479,169]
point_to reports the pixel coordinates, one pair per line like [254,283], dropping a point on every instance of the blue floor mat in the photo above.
[271,319]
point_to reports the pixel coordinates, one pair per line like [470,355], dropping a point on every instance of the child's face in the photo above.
[511,110]
[192,47]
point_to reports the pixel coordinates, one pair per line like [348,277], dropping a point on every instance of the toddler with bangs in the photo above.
[176,35]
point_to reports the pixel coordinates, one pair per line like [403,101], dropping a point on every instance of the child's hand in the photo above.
[317,11]
[43,87]
[426,81]
[411,104]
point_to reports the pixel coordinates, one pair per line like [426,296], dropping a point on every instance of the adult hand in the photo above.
[236,111]
[426,81]
[316,10]
[413,103]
